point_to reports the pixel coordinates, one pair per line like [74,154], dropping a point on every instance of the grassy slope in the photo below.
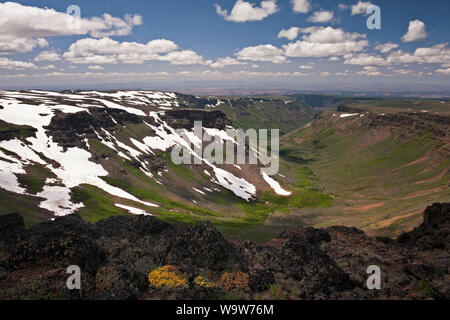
[272,112]
[381,180]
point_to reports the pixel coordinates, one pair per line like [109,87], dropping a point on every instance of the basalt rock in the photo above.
[184,119]
[9,131]
[438,213]
[131,229]
[11,226]
[66,128]
[349,109]
[202,246]
[66,241]
[437,125]
[260,280]
[116,255]
[434,232]
[120,282]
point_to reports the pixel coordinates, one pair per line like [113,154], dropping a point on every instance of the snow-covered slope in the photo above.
[64,124]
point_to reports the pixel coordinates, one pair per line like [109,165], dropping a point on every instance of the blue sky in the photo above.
[294,44]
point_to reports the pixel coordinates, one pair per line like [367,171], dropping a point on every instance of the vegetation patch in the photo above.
[167,276]
[238,281]
[97,203]
[203,282]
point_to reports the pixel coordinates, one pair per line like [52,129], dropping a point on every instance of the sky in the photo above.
[271,44]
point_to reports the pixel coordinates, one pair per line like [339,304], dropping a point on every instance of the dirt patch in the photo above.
[424,193]
[367,207]
[419,160]
[388,222]
[440,176]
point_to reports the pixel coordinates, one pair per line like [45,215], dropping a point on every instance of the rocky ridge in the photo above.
[116,255]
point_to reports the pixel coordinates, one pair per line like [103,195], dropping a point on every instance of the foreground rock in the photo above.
[117,254]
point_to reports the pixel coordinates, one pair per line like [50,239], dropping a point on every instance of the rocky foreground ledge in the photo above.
[117,255]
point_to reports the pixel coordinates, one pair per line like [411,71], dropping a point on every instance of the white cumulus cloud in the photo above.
[364,59]
[245,11]
[301,6]
[290,33]
[264,52]
[386,47]
[23,28]
[95,68]
[6,63]
[107,51]
[416,31]
[370,71]
[223,62]
[324,42]
[184,57]
[360,7]
[444,71]
[438,53]
[48,67]
[321,16]
[47,56]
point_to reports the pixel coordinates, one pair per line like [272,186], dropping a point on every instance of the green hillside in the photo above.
[380,168]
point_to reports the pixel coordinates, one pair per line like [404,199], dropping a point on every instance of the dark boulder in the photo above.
[433,233]
[260,280]
[122,282]
[202,246]
[130,229]
[437,213]
[304,261]
[66,241]
[11,225]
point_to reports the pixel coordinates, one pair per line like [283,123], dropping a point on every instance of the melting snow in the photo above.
[113,105]
[165,140]
[75,168]
[239,186]
[8,171]
[275,185]
[199,191]
[58,200]
[133,210]
[345,115]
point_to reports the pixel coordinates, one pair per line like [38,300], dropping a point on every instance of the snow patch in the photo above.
[275,185]
[133,210]
[345,115]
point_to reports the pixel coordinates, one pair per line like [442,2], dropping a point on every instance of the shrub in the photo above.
[235,281]
[203,281]
[167,276]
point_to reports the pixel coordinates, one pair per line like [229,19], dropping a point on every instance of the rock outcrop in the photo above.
[116,255]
